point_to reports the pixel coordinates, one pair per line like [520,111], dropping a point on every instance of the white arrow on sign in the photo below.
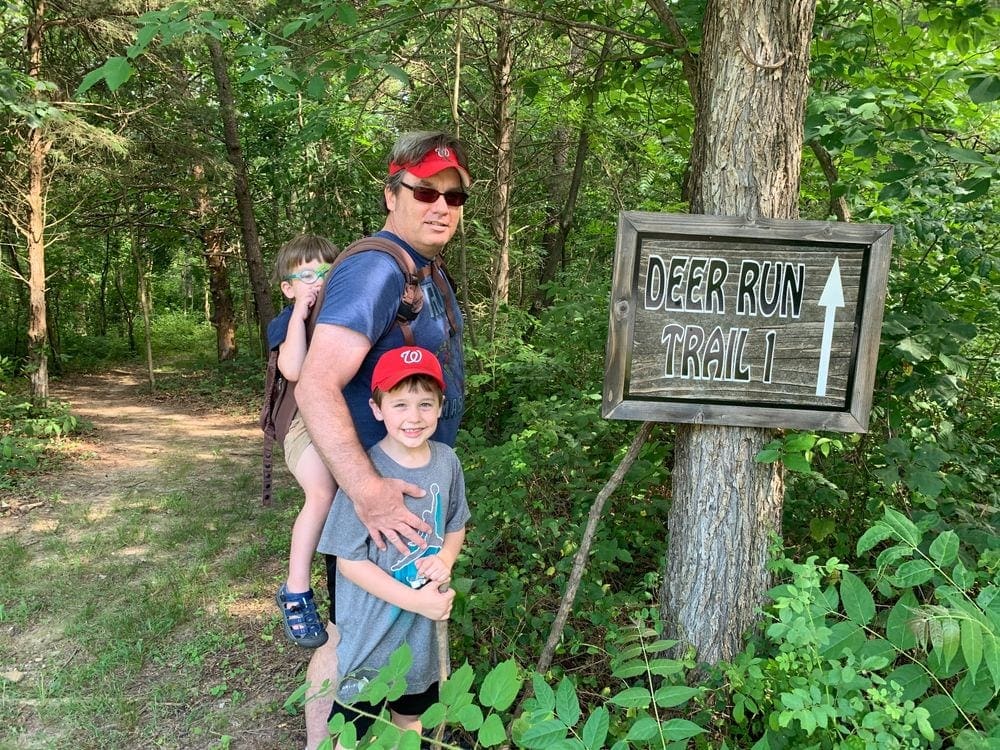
[831,298]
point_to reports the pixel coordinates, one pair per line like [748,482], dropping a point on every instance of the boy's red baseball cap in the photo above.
[434,161]
[398,364]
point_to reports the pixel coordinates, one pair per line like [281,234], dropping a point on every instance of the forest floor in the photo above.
[137,581]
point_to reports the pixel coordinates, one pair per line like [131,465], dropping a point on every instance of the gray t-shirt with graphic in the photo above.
[370,628]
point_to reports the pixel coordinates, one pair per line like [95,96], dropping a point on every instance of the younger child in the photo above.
[301,267]
[387,598]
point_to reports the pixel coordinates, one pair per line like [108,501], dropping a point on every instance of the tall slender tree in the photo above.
[241,186]
[33,228]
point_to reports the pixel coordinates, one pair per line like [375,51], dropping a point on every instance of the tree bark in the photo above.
[746,158]
[505,162]
[38,148]
[145,304]
[222,316]
[241,185]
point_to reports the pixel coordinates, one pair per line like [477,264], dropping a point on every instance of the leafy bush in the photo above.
[26,429]
[910,659]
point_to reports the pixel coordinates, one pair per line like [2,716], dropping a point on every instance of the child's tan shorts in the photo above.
[296,441]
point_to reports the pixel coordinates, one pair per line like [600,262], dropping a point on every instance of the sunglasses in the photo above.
[310,275]
[430,195]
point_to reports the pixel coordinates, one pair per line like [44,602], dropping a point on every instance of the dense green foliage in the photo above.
[884,622]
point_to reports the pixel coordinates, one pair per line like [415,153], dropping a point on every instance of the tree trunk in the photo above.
[752,86]
[222,317]
[241,185]
[145,304]
[505,161]
[38,148]
[558,225]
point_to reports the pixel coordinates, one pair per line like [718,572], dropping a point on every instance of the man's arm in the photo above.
[334,358]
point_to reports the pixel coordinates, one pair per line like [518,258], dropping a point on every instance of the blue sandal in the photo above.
[302,625]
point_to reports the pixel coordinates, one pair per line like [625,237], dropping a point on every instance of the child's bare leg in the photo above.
[404,722]
[315,480]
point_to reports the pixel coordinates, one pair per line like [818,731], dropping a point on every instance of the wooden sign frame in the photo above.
[690,338]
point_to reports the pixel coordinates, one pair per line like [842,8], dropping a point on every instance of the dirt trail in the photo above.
[131,450]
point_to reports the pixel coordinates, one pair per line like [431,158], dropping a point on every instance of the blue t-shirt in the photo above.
[363,295]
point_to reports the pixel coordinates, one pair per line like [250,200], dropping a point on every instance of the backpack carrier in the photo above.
[279,407]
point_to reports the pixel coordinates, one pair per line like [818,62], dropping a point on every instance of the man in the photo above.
[356,325]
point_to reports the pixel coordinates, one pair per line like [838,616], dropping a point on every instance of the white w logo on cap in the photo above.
[411,356]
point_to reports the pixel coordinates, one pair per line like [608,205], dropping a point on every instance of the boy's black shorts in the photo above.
[331,586]
[408,705]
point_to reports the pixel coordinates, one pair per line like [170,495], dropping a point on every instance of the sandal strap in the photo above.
[301,616]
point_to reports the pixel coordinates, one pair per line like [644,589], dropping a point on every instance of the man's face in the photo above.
[427,227]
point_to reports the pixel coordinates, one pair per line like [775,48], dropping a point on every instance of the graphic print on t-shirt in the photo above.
[405,569]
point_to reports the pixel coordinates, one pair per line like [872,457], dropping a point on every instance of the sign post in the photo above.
[726,321]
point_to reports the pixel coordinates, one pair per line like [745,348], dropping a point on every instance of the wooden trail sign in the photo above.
[727,321]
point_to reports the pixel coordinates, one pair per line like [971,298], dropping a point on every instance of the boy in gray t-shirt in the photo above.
[385,598]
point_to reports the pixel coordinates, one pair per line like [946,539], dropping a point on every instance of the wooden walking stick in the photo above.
[444,662]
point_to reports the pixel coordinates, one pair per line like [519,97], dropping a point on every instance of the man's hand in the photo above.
[381,509]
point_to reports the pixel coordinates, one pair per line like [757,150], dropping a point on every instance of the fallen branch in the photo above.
[580,560]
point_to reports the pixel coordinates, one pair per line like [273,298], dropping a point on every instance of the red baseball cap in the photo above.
[398,364]
[434,161]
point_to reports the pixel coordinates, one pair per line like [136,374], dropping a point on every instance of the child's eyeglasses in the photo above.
[309,275]
[430,195]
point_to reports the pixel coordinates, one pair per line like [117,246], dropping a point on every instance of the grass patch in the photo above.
[142,616]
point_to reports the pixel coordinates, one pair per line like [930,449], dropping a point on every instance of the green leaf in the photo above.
[291,27]
[492,731]
[845,635]
[913,573]
[983,88]
[433,716]
[972,696]
[501,686]
[796,462]
[544,735]
[665,667]
[347,14]
[941,709]
[394,71]
[680,729]
[944,549]
[912,678]
[117,70]
[634,697]
[951,639]
[595,731]
[897,627]
[316,87]
[873,536]
[767,456]
[903,527]
[991,655]
[457,685]
[669,696]
[643,730]
[858,601]
[567,704]
[470,717]
[544,696]
[925,481]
